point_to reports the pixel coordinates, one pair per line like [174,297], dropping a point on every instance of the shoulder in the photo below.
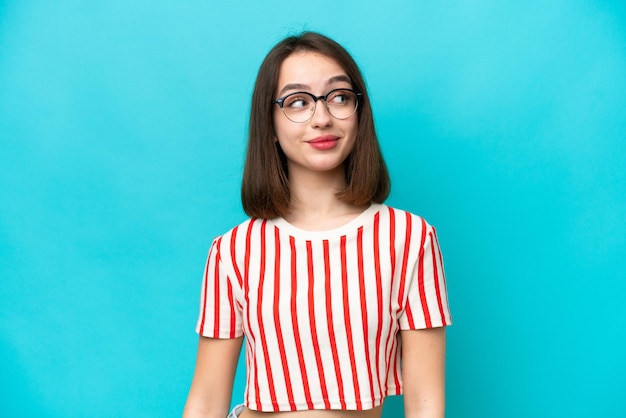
[238,230]
[238,240]
[403,217]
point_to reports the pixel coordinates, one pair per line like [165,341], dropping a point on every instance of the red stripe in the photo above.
[233,238]
[331,328]
[392,241]
[403,279]
[259,314]
[364,321]
[216,289]
[279,332]
[433,249]
[405,259]
[231,299]
[204,290]
[379,297]
[316,346]
[246,282]
[248,366]
[296,328]
[409,315]
[445,285]
[420,278]
[231,303]
[392,256]
[394,366]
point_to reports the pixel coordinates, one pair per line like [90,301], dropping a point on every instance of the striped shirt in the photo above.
[321,310]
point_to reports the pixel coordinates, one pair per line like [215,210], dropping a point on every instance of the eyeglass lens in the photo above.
[300,107]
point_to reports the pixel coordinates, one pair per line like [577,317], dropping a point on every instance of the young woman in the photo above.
[341,299]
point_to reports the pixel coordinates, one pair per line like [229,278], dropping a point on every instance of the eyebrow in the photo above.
[299,86]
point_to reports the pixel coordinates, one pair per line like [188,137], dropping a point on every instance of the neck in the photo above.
[314,203]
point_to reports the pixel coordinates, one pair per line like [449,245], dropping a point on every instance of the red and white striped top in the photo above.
[321,310]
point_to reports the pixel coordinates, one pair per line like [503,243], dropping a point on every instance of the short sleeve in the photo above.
[220,316]
[426,303]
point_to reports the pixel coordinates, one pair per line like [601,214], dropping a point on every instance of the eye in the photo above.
[341,97]
[297,101]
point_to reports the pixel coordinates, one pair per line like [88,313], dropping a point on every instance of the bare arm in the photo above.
[423,372]
[212,384]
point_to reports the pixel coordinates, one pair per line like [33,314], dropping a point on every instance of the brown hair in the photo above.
[265,187]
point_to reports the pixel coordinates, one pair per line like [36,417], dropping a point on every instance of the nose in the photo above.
[321,116]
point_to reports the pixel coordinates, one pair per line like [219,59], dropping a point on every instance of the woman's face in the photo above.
[322,143]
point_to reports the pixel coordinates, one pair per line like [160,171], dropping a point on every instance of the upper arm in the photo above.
[423,372]
[211,388]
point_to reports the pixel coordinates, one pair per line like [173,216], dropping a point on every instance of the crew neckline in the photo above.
[363,219]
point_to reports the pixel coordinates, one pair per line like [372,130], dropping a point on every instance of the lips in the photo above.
[323,138]
[325,142]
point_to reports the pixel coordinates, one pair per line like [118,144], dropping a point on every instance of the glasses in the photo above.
[299,107]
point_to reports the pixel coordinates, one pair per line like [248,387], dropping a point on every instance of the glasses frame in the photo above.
[281,102]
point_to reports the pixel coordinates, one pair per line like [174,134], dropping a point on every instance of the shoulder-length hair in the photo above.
[265,186]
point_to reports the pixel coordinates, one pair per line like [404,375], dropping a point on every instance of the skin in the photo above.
[314,178]
[211,387]
[315,175]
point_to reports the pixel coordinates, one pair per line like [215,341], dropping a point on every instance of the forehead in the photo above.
[308,68]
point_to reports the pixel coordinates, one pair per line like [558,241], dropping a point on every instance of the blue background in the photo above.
[122,129]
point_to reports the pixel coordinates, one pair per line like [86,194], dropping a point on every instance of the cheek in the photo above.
[280,127]
[287,131]
[352,128]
